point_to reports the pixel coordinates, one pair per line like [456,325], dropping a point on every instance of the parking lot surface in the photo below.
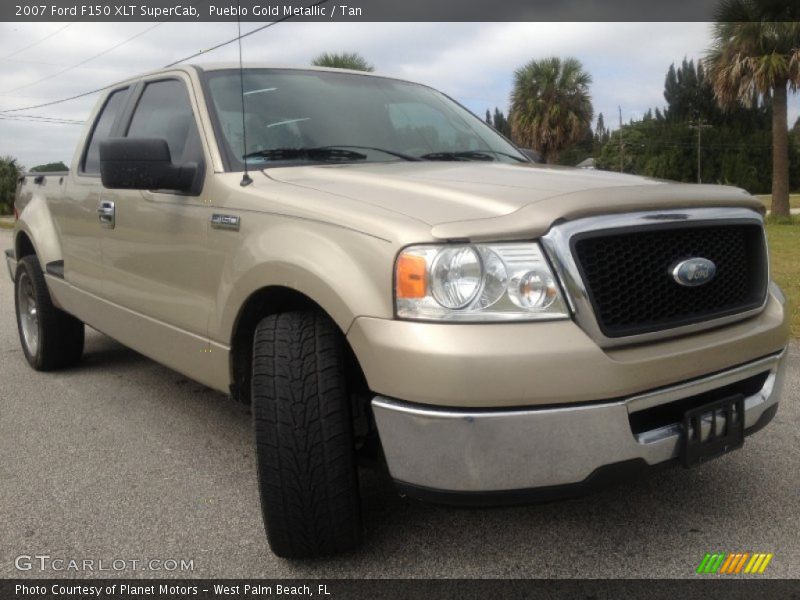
[123,459]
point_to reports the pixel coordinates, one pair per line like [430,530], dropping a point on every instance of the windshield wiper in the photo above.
[322,154]
[485,155]
[342,153]
[339,152]
[462,155]
[384,150]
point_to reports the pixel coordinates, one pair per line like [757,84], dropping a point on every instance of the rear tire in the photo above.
[51,339]
[304,436]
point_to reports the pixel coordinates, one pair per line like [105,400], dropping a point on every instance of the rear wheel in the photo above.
[51,339]
[304,436]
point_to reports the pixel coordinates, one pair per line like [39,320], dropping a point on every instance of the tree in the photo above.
[500,123]
[550,105]
[10,171]
[756,53]
[663,144]
[688,93]
[344,60]
[601,132]
[50,167]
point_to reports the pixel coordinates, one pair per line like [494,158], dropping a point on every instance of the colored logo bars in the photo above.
[734,564]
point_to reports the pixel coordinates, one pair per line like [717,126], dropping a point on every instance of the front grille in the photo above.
[628,274]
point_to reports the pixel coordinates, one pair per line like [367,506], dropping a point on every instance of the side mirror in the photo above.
[143,164]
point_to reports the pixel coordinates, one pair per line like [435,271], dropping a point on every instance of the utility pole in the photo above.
[621,145]
[701,124]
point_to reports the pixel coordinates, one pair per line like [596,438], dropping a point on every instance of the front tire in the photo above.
[51,339]
[304,436]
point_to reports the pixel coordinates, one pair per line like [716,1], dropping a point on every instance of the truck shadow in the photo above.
[101,352]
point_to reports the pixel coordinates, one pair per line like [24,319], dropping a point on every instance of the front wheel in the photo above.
[51,339]
[304,436]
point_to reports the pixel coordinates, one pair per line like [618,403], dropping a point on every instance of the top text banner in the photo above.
[358,10]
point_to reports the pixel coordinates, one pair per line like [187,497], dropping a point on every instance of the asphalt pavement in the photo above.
[123,459]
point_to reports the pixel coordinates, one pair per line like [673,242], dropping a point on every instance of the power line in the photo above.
[83,62]
[51,103]
[172,64]
[37,62]
[36,43]
[45,121]
[242,36]
[42,118]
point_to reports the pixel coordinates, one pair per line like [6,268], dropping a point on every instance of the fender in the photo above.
[37,223]
[316,260]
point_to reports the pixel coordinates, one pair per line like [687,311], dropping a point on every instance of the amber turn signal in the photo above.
[410,277]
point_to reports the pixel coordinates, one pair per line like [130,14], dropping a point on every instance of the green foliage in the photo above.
[735,146]
[601,133]
[498,121]
[755,48]
[755,54]
[635,136]
[10,172]
[688,93]
[343,60]
[582,149]
[551,109]
[50,167]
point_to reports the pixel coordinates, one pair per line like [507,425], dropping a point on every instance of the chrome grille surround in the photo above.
[558,247]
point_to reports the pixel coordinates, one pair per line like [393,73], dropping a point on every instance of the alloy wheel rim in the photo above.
[28,313]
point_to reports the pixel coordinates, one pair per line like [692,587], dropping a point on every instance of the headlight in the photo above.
[477,282]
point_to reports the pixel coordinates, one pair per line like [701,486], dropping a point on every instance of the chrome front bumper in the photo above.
[483,451]
[11,263]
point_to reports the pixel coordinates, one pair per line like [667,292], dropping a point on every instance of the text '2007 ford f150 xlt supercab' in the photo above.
[386,279]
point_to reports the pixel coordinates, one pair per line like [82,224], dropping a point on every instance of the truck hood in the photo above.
[478,200]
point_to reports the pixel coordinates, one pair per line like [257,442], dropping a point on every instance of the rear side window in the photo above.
[164,111]
[102,129]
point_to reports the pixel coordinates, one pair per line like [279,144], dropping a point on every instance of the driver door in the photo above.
[156,253]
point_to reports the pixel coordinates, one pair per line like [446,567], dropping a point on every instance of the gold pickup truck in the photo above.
[387,280]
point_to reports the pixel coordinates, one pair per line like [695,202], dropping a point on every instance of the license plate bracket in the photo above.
[712,430]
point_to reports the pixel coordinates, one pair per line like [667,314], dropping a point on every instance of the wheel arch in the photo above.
[262,303]
[23,246]
[36,233]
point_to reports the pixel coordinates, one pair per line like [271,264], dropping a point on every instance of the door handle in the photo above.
[106,214]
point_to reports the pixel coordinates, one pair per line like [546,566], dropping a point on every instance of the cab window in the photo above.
[102,129]
[164,111]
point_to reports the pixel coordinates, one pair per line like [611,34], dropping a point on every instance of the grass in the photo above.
[6,224]
[794,200]
[784,248]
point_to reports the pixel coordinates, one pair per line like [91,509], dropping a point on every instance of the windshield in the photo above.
[300,117]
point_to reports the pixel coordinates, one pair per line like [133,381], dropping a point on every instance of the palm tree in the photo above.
[345,60]
[756,54]
[550,105]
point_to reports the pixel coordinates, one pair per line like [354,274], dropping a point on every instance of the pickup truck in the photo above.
[390,282]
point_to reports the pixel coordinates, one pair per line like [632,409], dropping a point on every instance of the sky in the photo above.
[472,62]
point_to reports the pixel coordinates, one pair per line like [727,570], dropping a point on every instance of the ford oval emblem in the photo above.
[694,271]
